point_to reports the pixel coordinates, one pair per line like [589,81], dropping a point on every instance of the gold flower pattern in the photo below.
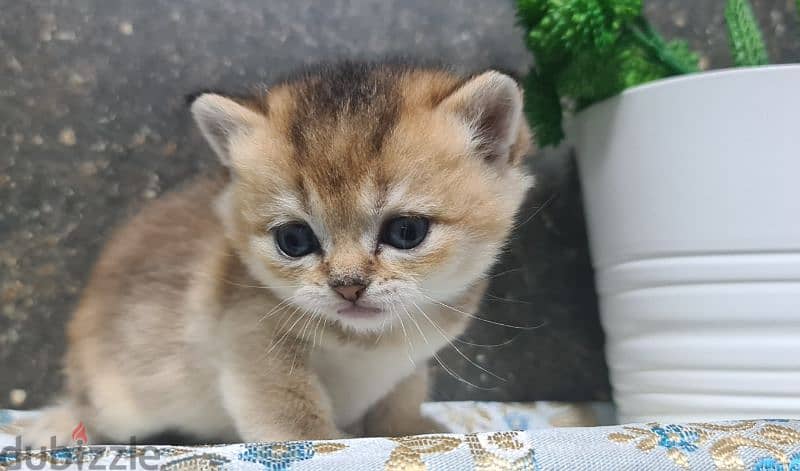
[410,451]
[724,442]
[756,445]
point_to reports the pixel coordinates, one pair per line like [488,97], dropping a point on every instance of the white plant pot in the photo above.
[692,192]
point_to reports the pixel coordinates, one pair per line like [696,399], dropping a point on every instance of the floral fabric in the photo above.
[540,443]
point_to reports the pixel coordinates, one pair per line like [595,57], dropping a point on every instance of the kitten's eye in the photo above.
[405,232]
[296,239]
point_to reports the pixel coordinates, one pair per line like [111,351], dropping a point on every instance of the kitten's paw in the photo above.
[424,426]
[408,426]
[330,434]
[275,434]
[55,427]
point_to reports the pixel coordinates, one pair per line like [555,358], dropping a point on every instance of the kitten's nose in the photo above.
[350,292]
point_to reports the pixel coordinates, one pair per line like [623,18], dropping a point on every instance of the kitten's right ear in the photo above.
[491,105]
[222,120]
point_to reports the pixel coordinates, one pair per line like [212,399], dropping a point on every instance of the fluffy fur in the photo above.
[194,321]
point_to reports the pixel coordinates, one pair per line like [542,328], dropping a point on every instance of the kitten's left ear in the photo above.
[222,120]
[491,104]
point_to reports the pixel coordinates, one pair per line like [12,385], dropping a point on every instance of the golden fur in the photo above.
[194,321]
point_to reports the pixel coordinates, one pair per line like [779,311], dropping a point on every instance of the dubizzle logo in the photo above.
[79,434]
[79,455]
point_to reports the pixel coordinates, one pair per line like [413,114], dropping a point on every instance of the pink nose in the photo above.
[350,292]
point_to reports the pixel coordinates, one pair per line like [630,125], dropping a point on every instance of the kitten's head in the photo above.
[362,193]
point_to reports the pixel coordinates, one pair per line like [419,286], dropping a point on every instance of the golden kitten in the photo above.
[300,295]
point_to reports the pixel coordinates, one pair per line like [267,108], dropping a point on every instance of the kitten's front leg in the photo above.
[399,414]
[275,400]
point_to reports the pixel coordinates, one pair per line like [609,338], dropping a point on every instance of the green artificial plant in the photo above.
[588,50]
[745,35]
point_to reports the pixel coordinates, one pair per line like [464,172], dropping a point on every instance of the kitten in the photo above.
[301,295]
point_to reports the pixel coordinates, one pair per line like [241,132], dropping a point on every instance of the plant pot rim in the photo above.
[698,76]
[677,83]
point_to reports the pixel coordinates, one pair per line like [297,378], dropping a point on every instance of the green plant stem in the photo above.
[652,43]
[747,42]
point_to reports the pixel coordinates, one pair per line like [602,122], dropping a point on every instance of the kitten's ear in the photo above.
[221,120]
[491,104]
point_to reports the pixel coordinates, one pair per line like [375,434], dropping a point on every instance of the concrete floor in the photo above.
[92,126]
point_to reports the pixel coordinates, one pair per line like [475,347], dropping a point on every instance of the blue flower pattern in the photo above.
[678,440]
[676,436]
[76,455]
[516,421]
[771,464]
[278,456]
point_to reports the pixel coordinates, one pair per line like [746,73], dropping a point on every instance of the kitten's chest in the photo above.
[356,378]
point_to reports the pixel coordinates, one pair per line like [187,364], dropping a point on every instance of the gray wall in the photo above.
[92,126]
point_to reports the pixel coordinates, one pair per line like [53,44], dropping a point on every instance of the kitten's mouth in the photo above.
[354,310]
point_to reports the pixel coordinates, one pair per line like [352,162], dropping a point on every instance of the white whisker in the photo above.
[473,316]
[492,297]
[286,334]
[302,337]
[382,329]
[496,345]
[538,210]
[284,303]
[457,377]
[288,318]
[419,329]
[444,335]
[320,323]
[503,273]
[409,346]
